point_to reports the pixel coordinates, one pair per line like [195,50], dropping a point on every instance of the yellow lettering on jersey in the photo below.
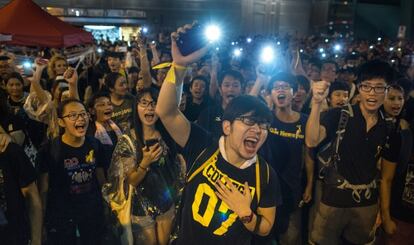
[204,219]
[212,173]
[296,135]
[227,223]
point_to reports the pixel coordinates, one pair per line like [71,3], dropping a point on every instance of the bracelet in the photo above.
[145,169]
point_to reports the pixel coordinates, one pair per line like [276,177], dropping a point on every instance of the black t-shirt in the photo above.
[283,150]
[122,114]
[16,172]
[11,124]
[192,110]
[359,152]
[73,186]
[205,218]
[402,192]
[211,120]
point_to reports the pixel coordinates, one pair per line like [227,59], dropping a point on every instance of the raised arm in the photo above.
[35,83]
[214,76]
[315,133]
[261,80]
[71,76]
[167,109]
[145,65]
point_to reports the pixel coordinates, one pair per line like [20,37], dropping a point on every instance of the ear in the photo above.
[61,123]
[226,127]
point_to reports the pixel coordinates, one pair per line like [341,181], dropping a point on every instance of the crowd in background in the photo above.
[71,134]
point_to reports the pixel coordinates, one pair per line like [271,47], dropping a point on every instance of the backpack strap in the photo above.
[346,113]
[262,176]
[204,158]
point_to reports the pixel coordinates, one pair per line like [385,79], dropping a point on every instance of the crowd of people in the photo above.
[309,142]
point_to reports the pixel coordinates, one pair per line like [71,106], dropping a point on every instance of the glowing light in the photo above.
[321,50]
[213,33]
[379,39]
[326,40]
[248,40]
[27,64]
[392,49]
[337,47]
[267,55]
[323,55]
[237,52]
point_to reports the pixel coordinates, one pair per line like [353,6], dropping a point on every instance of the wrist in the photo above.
[145,169]
[245,219]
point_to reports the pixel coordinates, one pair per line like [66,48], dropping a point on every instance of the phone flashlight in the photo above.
[212,33]
[145,30]
[392,49]
[321,50]
[248,40]
[337,47]
[326,40]
[99,50]
[267,55]
[27,64]
[237,52]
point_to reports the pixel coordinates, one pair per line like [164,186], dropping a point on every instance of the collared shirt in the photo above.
[359,153]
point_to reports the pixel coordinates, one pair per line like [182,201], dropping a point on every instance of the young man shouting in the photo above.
[231,193]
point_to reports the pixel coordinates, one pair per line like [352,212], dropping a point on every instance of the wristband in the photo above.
[145,169]
[247,219]
[170,77]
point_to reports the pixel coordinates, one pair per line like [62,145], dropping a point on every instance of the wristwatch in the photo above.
[247,219]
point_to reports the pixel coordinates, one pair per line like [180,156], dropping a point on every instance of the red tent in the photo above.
[29,25]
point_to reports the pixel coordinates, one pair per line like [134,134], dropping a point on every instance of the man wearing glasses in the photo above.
[349,205]
[284,150]
[231,193]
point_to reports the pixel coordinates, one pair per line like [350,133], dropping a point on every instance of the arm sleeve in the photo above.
[330,120]
[271,196]
[198,140]
[21,165]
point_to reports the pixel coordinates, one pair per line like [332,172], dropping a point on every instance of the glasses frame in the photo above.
[74,117]
[375,88]
[253,120]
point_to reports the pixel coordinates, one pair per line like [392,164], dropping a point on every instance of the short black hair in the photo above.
[110,79]
[231,73]
[96,96]
[338,85]
[375,69]
[247,104]
[63,104]
[202,78]
[15,75]
[284,77]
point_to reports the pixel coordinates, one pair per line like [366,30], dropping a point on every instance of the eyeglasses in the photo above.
[145,103]
[73,116]
[282,87]
[367,88]
[251,121]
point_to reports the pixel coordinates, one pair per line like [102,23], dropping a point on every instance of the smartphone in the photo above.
[151,142]
[194,39]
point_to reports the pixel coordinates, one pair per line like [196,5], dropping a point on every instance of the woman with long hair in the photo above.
[150,165]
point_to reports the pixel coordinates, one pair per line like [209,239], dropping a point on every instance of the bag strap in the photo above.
[343,121]
[262,176]
[205,157]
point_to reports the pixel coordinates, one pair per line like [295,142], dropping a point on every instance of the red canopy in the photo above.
[29,25]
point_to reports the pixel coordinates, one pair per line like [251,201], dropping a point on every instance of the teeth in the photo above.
[252,140]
